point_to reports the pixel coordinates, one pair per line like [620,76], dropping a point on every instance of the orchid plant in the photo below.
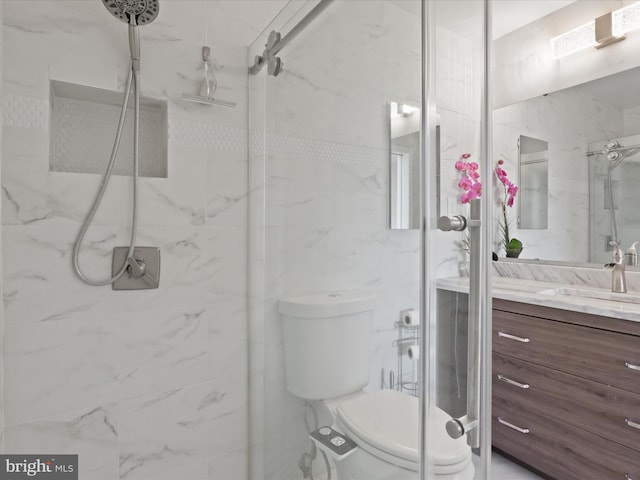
[470,179]
[472,188]
[512,246]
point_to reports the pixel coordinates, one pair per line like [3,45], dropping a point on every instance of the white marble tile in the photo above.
[92,434]
[229,465]
[227,340]
[299,189]
[37,265]
[227,189]
[32,194]
[360,195]
[163,432]
[80,362]
[48,34]
[631,121]
[25,180]
[400,40]
[231,24]
[199,265]
[193,470]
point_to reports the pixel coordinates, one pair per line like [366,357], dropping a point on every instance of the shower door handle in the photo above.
[457,223]
[468,424]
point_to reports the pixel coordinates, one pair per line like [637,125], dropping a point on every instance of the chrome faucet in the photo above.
[618,281]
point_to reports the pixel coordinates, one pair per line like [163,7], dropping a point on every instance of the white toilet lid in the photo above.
[388,421]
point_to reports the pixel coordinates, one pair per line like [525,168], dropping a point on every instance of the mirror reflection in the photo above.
[533,170]
[614,174]
[591,163]
[404,166]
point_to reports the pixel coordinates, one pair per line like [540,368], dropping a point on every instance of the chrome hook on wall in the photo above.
[206,95]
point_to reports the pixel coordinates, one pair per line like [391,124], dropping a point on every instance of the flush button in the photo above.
[338,441]
[324,431]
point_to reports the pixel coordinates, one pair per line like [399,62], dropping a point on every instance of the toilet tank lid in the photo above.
[330,304]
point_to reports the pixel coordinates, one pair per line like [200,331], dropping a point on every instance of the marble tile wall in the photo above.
[144,384]
[320,192]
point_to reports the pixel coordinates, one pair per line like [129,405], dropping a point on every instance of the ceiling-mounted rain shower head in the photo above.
[144,11]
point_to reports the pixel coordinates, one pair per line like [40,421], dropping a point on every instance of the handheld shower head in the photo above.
[142,11]
[134,13]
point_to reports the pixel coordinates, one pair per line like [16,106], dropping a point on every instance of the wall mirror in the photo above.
[533,171]
[404,166]
[578,186]
[585,106]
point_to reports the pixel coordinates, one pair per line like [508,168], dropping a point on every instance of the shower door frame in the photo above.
[429,260]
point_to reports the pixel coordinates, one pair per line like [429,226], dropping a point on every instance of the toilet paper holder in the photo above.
[407,346]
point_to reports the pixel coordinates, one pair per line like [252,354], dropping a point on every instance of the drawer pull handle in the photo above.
[517,339]
[512,426]
[632,424]
[632,366]
[512,382]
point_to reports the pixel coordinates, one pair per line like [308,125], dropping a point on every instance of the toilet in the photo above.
[328,346]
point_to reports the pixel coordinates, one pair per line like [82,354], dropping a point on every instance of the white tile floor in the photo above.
[504,469]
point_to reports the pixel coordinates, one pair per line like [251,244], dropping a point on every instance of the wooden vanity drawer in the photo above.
[599,355]
[557,449]
[592,406]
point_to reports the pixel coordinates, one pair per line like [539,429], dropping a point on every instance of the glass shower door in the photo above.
[321,171]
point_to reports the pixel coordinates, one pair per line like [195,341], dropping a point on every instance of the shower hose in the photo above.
[133,77]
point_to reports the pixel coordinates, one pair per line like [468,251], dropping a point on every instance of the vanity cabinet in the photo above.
[566,391]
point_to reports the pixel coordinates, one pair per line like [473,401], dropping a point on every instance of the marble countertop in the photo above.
[528,291]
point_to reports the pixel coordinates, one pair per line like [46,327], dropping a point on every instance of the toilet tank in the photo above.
[327,343]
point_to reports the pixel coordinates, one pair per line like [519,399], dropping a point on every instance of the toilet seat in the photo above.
[386,424]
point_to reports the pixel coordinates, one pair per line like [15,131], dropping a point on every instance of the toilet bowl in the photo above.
[385,425]
[328,340]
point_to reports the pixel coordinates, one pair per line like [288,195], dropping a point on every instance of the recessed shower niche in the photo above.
[83,126]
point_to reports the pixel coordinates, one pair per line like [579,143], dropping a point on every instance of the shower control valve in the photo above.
[136,268]
[142,268]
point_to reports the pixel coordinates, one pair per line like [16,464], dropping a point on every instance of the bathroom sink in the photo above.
[592,293]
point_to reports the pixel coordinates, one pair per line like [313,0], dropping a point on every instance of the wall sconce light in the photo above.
[605,30]
[626,19]
[574,40]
